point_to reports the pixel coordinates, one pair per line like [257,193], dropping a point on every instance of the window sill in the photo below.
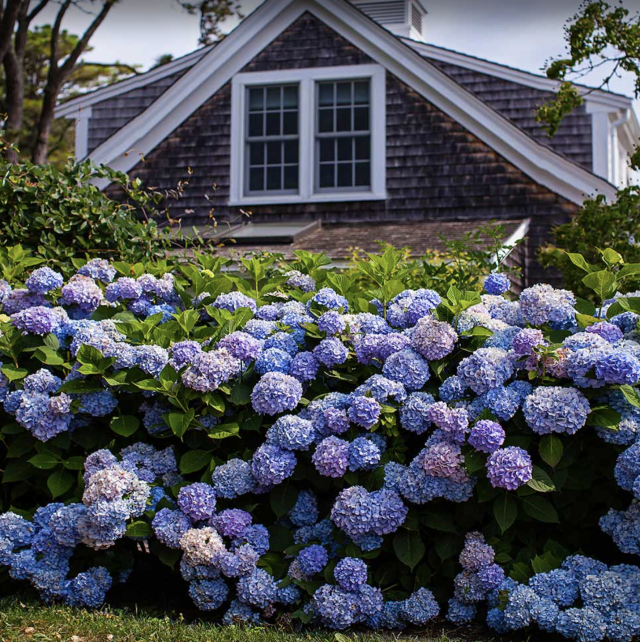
[286,199]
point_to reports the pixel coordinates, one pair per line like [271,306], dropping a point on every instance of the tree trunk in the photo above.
[14,94]
[45,123]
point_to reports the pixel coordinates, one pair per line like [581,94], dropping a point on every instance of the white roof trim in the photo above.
[71,108]
[229,57]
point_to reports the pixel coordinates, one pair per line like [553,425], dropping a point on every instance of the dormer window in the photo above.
[309,135]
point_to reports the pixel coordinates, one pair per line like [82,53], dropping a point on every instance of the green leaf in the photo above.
[604,418]
[540,509]
[224,430]
[240,394]
[551,450]
[125,425]
[59,482]
[282,499]
[16,470]
[579,261]
[440,522]
[611,257]
[541,481]
[194,460]
[585,307]
[603,283]
[409,547]
[139,529]
[631,395]
[505,510]
[49,356]
[44,461]
[14,374]
[74,463]
[179,421]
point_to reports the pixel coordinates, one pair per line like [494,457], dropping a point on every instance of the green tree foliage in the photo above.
[599,225]
[61,214]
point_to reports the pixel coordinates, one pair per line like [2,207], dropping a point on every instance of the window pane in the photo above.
[363,148]
[327,177]
[274,178]
[326,93]
[290,97]
[255,125]
[274,153]
[345,149]
[256,99]
[291,177]
[327,149]
[361,119]
[273,124]
[273,97]
[343,92]
[363,174]
[343,119]
[256,154]
[361,93]
[290,123]
[325,120]
[345,174]
[256,179]
[291,151]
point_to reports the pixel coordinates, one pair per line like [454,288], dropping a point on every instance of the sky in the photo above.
[520,33]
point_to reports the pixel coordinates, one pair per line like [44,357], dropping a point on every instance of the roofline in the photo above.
[217,67]
[72,107]
[506,72]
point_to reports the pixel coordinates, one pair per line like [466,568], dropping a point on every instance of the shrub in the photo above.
[61,214]
[290,443]
[597,226]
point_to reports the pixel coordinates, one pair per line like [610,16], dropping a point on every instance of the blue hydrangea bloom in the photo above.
[496,283]
[509,468]
[44,280]
[275,393]
[555,409]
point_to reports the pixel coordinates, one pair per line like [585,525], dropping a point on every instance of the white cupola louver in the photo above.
[402,17]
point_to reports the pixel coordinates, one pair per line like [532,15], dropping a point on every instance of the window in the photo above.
[308,135]
[272,139]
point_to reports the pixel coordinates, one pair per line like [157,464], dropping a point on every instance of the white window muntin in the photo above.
[308,80]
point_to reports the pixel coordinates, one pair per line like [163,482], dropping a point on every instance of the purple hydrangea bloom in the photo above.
[257,589]
[350,574]
[363,454]
[336,420]
[414,412]
[17,300]
[485,369]
[292,433]
[331,352]
[496,283]
[183,353]
[234,301]
[328,298]
[123,289]
[618,368]
[526,340]
[209,370]
[36,320]
[608,331]
[231,522]
[241,345]
[99,269]
[509,468]
[271,465]
[275,393]
[352,511]
[433,339]
[233,479]
[408,368]
[332,323]
[304,282]
[542,304]
[487,436]
[420,607]
[331,457]
[197,501]
[44,280]
[312,559]
[304,366]
[169,526]
[555,409]
[364,411]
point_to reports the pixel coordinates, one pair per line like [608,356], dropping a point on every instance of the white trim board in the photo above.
[229,57]
[307,79]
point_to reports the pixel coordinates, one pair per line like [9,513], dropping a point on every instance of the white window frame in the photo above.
[308,80]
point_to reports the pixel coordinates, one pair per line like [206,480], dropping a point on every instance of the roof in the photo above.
[339,241]
[218,65]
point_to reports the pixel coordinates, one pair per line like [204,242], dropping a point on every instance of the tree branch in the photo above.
[55,38]
[73,57]
[37,9]
[7,25]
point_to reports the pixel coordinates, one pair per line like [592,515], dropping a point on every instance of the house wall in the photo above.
[436,169]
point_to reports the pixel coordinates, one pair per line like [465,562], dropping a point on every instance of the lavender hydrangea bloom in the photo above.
[408,368]
[292,433]
[433,339]
[328,298]
[526,340]
[241,345]
[331,352]
[231,522]
[487,436]
[332,323]
[331,457]
[555,409]
[304,366]
[350,574]
[352,511]
[36,320]
[304,282]
[364,411]
[257,589]
[233,479]
[619,368]
[363,454]
[169,526]
[271,465]
[542,304]
[276,393]
[414,412]
[485,369]
[209,370]
[15,301]
[509,468]
[44,280]
[608,331]
[312,559]
[183,353]
[496,283]
[99,269]
[234,301]
[197,501]
[451,389]
[122,289]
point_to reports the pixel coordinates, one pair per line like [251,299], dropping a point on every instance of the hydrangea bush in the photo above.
[290,444]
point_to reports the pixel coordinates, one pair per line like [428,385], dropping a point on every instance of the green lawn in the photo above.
[32,622]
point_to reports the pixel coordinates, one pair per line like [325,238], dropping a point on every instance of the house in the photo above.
[337,125]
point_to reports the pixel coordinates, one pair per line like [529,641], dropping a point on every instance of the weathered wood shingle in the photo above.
[436,169]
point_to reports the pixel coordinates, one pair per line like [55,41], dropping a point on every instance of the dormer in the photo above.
[402,17]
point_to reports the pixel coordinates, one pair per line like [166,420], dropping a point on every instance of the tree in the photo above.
[607,39]
[62,59]
[86,76]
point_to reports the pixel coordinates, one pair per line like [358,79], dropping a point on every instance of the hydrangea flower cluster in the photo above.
[349,422]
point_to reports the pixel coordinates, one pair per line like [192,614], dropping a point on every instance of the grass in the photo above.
[32,622]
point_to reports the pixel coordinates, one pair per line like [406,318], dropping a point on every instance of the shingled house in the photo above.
[336,125]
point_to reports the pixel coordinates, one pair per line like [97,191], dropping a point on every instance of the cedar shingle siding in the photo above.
[436,169]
